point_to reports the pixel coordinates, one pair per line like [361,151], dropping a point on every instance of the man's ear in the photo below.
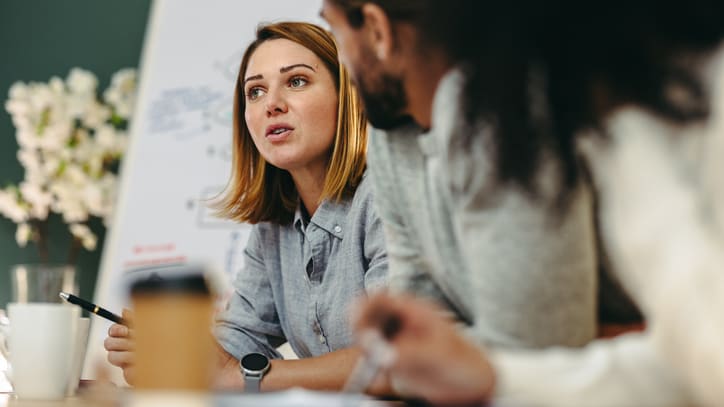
[378,30]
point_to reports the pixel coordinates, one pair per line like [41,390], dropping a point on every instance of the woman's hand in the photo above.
[120,347]
[434,361]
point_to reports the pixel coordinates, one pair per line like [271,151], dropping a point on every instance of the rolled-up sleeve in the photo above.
[250,322]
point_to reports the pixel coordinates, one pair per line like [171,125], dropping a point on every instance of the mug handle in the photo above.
[4,332]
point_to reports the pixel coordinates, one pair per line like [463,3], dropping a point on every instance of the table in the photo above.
[118,397]
[8,400]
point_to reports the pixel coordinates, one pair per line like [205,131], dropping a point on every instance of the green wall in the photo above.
[43,38]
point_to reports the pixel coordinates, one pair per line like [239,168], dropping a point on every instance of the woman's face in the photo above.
[291,106]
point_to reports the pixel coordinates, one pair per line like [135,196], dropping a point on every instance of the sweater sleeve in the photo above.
[625,372]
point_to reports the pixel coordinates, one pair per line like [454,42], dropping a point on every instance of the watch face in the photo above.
[255,362]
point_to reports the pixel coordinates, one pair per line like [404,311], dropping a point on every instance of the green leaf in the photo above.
[44,120]
[61,168]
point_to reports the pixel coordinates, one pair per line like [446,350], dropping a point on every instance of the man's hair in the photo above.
[258,191]
[535,69]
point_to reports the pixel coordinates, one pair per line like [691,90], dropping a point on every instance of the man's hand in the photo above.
[434,361]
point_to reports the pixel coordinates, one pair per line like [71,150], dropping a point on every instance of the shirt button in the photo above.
[337,228]
[321,339]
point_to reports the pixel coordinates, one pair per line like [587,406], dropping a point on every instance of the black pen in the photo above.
[90,307]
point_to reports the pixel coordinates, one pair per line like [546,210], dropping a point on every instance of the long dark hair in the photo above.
[541,70]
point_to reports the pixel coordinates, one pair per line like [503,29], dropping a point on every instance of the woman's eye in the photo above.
[254,93]
[297,82]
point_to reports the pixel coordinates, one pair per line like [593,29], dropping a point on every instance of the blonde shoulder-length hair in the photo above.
[259,192]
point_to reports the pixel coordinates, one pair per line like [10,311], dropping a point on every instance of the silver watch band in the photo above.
[252,382]
[253,366]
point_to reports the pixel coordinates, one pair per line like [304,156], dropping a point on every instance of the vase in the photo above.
[42,282]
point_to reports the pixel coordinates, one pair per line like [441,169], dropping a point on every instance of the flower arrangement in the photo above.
[70,143]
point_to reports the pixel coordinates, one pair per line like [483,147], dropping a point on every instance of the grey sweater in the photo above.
[499,260]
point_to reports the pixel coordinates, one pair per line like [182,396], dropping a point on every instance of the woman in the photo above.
[640,90]
[298,177]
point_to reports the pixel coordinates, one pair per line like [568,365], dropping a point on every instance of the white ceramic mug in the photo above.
[81,344]
[42,342]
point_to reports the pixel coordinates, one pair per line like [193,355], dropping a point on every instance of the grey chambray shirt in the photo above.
[298,282]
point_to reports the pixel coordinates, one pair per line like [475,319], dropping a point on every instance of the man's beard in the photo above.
[385,101]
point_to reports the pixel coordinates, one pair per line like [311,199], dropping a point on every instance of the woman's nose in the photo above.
[275,104]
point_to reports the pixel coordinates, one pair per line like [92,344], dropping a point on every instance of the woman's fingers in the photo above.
[119,331]
[114,344]
[121,359]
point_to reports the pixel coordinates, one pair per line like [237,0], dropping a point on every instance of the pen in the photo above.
[377,353]
[90,307]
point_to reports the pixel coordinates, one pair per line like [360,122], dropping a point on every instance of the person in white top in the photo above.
[639,89]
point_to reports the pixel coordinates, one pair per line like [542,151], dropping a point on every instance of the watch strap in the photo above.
[252,383]
[253,372]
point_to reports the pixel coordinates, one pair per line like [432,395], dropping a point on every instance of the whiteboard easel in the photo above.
[179,154]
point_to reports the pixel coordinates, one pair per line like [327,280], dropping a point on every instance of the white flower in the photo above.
[29,159]
[75,174]
[19,107]
[93,199]
[56,135]
[45,98]
[85,235]
[111,141]
[73,210]
[69,139]
[84,148]
[81,95]
[121,94]
[11,207]
[39,199]
[95,114]
[121,142]
[51,165]
[22,234]
[109,185]
[27,139]
[68,202]
[36,176]
[82,82]
[106,137]
[18,90]
[108,219]
[56,85]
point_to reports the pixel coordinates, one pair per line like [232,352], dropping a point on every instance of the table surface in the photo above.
[7,399]
[110,397]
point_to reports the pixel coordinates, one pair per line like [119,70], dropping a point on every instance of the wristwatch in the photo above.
[253,367]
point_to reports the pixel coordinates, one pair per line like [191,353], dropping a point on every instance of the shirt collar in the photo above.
[330,216]
[446,112]
[446,104]
[298,220]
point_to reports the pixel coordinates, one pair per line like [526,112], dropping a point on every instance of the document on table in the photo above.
[298,398]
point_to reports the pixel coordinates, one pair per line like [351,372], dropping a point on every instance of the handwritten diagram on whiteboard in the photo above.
[180,151]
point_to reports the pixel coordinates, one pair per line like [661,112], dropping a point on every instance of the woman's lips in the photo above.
[278,135]
[278,132]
